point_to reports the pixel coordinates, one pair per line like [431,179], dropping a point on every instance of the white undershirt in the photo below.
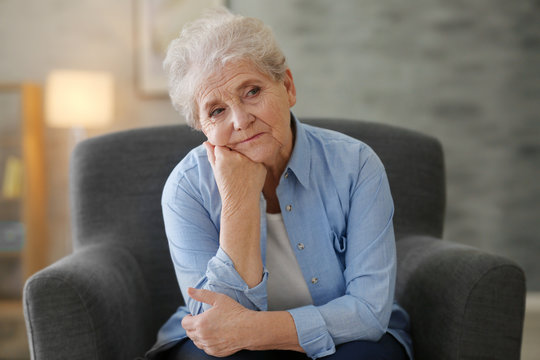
[286,286]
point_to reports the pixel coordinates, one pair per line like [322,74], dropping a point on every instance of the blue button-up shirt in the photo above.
[336,202]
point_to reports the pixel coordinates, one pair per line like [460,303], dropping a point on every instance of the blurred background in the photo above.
[466,72]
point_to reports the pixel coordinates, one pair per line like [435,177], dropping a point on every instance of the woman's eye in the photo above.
[216,112]
[253,91]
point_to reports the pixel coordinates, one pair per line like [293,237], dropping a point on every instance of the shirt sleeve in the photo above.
[363,312]
[198,260]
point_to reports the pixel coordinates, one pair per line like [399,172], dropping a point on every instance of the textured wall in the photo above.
[466,72]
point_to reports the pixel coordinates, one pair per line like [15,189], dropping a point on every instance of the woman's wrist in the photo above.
[272,330]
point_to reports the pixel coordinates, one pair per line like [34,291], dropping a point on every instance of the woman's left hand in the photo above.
[221,330]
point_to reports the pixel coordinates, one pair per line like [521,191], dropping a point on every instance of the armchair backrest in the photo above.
[116,182]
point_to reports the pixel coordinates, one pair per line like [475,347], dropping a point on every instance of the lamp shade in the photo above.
[79,99]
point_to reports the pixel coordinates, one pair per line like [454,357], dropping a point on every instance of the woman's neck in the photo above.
[269,192]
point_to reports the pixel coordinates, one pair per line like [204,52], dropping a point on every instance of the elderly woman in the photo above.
[280,233]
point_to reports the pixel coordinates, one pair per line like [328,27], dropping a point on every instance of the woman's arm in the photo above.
[240,182]
[193,219]
[228,327]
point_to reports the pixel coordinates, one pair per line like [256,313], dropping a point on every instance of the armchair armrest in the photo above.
[92,304]
[464,303]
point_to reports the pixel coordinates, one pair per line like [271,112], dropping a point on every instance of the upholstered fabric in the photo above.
[108,299]
[463,303]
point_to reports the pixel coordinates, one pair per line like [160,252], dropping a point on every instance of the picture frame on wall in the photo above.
[157,22]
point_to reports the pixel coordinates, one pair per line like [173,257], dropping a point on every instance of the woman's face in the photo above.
[247,111]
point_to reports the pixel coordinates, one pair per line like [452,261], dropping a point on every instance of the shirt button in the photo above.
[314,280]
[289,207]
[300,246]
[286,175]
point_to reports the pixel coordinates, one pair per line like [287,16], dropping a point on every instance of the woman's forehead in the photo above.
[230,79]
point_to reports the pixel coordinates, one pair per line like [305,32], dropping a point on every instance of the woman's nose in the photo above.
[241,118]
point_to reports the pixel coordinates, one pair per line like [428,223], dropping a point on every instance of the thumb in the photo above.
[202,295]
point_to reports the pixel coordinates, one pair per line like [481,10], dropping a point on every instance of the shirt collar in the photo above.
[300,161]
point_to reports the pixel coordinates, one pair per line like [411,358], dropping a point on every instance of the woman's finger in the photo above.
[221,151]
[210,152]
[187,322]
[203,295]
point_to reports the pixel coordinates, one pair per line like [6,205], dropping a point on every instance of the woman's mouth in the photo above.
[254,137]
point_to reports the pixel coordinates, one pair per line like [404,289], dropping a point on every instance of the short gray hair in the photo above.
[206,45]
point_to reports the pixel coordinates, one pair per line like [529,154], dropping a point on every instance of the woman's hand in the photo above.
[240,182]
[239,179]
[221,330]
[228,327]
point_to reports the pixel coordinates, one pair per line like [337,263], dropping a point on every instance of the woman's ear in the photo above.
[289,86]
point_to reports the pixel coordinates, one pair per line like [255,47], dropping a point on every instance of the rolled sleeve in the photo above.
[222,277]
[312,332]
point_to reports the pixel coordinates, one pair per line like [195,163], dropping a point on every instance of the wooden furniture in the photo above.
[23,223]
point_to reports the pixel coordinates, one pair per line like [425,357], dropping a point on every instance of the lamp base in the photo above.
[78,134]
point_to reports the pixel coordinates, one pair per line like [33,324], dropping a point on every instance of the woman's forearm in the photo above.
[240,182]
[240,239]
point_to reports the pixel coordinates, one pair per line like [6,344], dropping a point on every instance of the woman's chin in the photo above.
[258,154]
[254,156]
[261,151]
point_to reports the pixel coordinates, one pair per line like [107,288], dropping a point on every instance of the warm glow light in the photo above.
[79,99]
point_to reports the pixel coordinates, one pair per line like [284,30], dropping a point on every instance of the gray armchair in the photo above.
[108,299]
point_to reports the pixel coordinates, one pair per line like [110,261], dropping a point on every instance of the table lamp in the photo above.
[79,100]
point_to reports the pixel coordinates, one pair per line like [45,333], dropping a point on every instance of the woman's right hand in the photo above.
[239,179]
[240,182]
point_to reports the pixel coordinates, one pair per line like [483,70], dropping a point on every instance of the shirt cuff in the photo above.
[313,335]
[223,278]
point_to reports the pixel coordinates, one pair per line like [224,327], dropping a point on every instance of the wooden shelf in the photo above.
[10,255]
[24,137]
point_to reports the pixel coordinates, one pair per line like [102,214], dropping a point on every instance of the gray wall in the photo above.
[466,72]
